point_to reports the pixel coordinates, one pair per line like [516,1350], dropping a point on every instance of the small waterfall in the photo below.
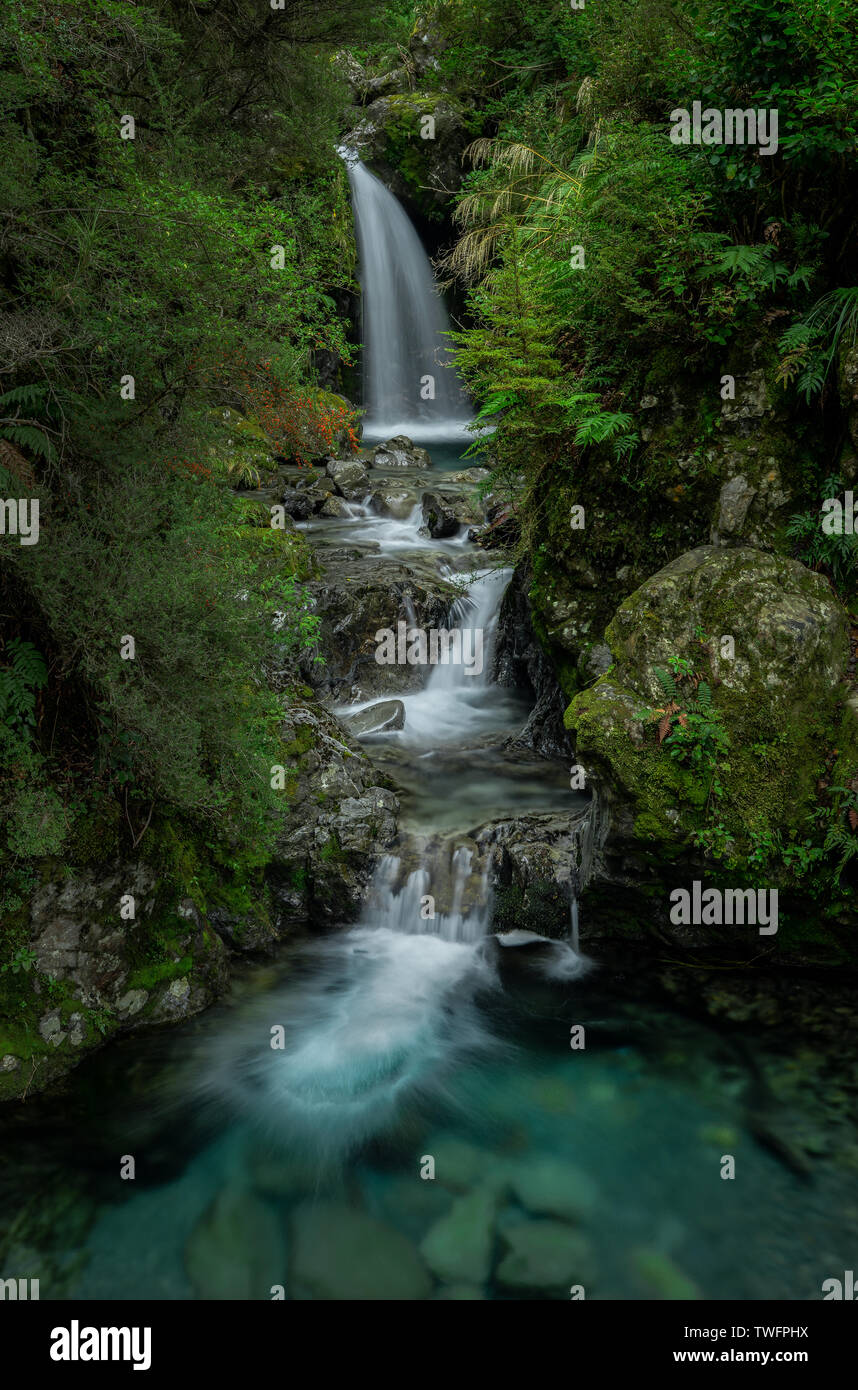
[443,897]
[478,612]
[404,322]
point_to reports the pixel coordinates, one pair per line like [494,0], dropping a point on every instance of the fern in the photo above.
[31,396]
[810,346]
[19,680]
[704,697]
[667,683]
[32,438]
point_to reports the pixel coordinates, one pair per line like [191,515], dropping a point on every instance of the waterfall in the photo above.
[443,897]
[404,322]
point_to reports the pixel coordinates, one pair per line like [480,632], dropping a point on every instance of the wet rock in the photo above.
[358,595]
[334,507]
[458,1248]
[400,452]
[521,662]
[385,716]
[545,1255]
[339,1253]
[350,478]
[439,516]
[337,813]
[394,502]
[661,1276]
[299,505]
[236,1250]
[531,860]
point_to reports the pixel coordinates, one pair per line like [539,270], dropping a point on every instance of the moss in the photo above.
[302,743]
[147,977]
[96,833]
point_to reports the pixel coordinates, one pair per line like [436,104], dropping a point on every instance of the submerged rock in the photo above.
[458,1248]
[661,1277]
[236,1250]
[358,595]
[545,1255]
[339,1253]
[549,1186]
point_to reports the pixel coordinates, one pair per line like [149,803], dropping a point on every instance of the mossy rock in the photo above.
[780,696]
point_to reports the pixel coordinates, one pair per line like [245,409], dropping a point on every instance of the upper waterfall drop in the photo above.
[405,322]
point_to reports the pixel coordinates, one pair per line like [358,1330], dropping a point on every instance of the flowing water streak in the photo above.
[387,1009]
[404,322]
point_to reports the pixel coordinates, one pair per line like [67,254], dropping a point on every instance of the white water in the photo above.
[454,706]
[385,1010]
[404,322]
[389,534]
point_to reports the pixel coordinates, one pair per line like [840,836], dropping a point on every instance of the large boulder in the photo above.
[349,477]
[771,642]
[400,452]
[360,594]
[393,502]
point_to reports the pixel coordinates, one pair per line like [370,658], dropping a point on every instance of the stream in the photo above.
[398,1109]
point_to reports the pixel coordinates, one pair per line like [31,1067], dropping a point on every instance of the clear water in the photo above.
[621,1143]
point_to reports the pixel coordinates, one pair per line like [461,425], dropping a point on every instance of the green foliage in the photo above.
[691,728]
[23,960]
[835,555]
[810,346]
[22,674]
[151,258]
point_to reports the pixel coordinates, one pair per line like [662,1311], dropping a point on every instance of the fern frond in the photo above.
[667,683]
[13,462]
